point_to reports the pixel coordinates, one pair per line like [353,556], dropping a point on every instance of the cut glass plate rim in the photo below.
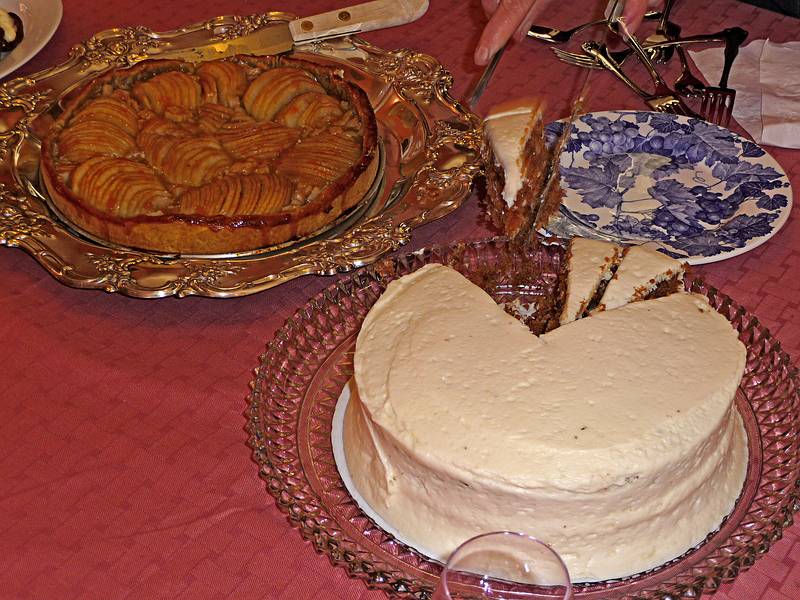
[592,192]
[308,362]
[744,498]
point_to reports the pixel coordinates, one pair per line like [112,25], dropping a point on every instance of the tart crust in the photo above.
[167,229]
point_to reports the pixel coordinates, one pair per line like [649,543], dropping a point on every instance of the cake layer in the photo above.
[641,271]
[517,162]
[507,128]
[591,264]
[613,438]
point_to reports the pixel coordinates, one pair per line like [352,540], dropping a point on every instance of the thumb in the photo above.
[634,13]
[505,21]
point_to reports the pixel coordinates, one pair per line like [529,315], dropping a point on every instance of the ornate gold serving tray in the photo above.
[429,151]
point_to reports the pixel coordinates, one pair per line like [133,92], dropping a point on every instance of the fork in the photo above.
[582,60]
[661,100]
[717,102]
[687,84]
[717,105]
[664,100]
[662,34]
[559,36]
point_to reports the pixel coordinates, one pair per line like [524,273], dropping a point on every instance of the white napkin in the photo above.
[766,77]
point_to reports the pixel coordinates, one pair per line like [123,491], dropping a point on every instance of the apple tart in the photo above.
[222,156]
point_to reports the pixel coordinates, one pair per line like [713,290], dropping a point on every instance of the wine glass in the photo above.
[504,565]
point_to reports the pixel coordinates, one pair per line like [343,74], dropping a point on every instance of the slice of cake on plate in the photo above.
[643,273]
[590,266]
[517,163]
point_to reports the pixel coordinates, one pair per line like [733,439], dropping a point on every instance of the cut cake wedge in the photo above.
[590,266]
[643,273]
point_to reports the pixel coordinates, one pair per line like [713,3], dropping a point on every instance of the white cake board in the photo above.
[337,442]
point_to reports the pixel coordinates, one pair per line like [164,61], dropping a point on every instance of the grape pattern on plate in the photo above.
[693,187]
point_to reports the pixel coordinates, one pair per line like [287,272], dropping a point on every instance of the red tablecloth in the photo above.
[123,462]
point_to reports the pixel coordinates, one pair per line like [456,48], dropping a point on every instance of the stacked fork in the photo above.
[662,99]
[715,102]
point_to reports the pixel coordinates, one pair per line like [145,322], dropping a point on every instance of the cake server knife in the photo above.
[548,202]
[477,90]
[283,37]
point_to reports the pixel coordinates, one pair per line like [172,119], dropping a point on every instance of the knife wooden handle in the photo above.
[378,14]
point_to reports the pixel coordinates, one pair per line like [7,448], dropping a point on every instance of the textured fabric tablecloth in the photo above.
[123,462]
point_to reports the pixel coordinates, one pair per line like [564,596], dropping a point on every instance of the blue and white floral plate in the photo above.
[695,190]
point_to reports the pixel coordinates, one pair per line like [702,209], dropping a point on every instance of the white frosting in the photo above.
[507,132]
[641,270]
[590,264]
[612,438]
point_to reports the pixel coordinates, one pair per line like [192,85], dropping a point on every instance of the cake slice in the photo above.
[643,274]
[590,266]
[517,163]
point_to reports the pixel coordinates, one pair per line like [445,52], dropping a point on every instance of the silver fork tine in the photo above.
[729,113]
[717,105]
[573,58]
[715,108]
[725,110]
[704,107]
[670,107]
[718,101]
[678,109]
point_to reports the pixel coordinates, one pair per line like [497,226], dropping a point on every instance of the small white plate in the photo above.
[40,19]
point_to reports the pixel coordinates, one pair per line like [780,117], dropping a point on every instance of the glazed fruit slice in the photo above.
[87,138]
[319,159]
[242,195]
[274,89]
[121,187]
[174,88]
[222,83]
[111,110]
[311,109]
[265,140]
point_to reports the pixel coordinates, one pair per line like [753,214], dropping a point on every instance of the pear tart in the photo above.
[221,156]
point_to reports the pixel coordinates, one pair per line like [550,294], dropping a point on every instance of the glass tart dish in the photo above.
[414,154]
[301,377]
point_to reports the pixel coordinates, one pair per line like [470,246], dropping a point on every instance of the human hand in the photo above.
[635,10]
[513,18]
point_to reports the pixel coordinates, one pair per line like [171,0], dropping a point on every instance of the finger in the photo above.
[634,13]
[501,26]
[490,6]
[535,10]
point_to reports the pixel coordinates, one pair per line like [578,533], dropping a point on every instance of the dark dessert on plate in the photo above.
[11,29]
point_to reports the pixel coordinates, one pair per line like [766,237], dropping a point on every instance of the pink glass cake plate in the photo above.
[308,363]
